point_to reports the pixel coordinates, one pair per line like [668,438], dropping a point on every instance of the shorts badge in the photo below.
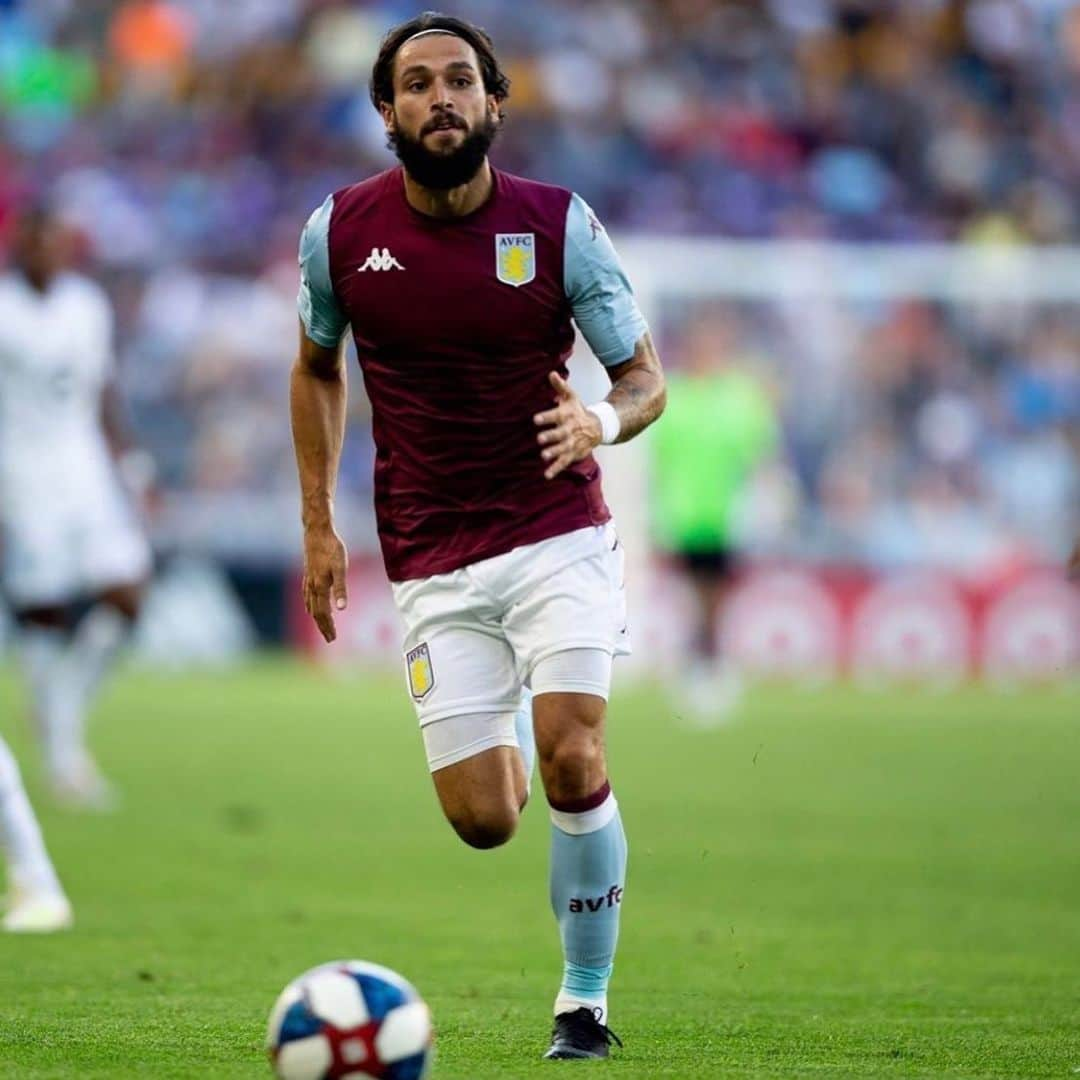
[421,675]
[515,258]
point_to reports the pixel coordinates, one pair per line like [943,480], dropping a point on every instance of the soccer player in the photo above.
[36,900]
[459,283]
[68,533]
[719,427]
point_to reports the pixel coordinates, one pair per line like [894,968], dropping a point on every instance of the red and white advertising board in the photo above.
[805,624]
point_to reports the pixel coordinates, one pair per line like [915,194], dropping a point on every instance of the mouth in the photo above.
[444,125]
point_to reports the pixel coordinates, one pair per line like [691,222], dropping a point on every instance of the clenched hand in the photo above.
[572,431]
[326,563]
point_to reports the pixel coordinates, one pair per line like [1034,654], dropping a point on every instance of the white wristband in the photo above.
[610,427]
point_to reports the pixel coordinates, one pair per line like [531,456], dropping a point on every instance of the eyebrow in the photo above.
[423,69]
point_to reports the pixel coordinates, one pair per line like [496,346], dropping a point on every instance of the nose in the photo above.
[443,98]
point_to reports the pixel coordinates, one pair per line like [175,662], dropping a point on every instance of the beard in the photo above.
[441,172]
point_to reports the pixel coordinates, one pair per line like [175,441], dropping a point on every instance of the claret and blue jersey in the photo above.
[457,324]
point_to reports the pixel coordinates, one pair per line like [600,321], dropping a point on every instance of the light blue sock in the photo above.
[523,728]
[588,875]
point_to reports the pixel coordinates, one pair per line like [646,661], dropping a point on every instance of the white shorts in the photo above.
[474,636]
[69,544]
[455,738]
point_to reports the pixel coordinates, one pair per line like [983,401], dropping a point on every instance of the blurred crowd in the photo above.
[197,129]
[915,433]
[189,139]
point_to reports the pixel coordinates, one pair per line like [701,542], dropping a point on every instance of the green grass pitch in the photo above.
[842,883]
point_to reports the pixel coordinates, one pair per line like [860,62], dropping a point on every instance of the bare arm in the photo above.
[137,468]
[637,389]
[112,420]
[638,396]
[317,401]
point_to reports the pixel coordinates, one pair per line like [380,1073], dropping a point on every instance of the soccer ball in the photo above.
[350,1019]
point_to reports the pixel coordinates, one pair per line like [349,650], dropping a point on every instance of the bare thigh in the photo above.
[482,796]
[124,598]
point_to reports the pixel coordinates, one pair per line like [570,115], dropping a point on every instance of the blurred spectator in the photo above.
[189,139]
[941,119]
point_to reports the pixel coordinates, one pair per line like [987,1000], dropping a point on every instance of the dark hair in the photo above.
[382,74]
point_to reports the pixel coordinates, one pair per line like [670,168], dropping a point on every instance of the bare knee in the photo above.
[484,826]
[570,744]
[481,796]
[574,768]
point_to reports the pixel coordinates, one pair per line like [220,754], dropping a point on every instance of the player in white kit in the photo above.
[68,532]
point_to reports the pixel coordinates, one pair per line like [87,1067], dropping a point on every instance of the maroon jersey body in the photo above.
[456,364]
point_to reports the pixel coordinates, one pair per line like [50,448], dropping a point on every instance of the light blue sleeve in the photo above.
[324,321]
[597,287]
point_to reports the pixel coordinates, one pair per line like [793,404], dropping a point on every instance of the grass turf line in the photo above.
[839,884]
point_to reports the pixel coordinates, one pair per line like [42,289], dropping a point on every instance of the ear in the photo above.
[387,111]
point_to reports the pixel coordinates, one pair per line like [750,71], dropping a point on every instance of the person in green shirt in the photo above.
[719,427]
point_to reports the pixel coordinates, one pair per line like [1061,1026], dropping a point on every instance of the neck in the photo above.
[451,202]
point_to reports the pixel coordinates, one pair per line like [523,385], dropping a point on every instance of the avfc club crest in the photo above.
[421,673]
[515,258]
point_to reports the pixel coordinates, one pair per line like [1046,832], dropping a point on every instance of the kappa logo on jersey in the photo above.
[515,258]
[380,260]
[421,673]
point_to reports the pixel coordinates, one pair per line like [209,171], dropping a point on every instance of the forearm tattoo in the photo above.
[637,391]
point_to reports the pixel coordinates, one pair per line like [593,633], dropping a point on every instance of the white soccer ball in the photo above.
[350,1018]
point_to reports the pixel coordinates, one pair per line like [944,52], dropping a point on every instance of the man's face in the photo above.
[442,120]
[37,247]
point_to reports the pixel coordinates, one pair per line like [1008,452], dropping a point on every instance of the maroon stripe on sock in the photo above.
[580,806]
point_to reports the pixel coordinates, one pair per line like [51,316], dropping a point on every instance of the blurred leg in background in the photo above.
[64,665]
[36,901]
[720,427]
[44,650]
[100,636]
[710,686]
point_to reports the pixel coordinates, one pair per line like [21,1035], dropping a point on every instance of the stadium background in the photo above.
[873,206]
[921,430]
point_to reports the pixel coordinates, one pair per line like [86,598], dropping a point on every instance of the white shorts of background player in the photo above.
[67,541]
